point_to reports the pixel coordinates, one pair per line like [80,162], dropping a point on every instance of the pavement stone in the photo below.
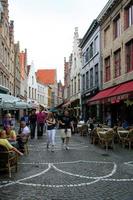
[85,172]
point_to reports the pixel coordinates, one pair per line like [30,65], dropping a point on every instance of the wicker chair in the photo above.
[8,160]
[106,139]
[94,135]
[26,147]
[84,130]
[129,139]
[123,135]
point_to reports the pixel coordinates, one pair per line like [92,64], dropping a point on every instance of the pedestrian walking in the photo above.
[51,122]
[41,119]
[32,121]
[65,126]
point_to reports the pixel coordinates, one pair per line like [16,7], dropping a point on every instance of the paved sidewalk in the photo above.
[84,172]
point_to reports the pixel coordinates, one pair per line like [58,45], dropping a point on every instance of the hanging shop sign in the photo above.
[128,102]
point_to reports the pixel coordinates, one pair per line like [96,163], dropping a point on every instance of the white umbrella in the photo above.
[8,101]
[21,105]
[11,102]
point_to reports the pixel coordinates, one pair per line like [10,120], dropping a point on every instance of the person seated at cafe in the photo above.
[10,133]
[5,143]
[91,121]
[7,120]
[25,117]
[23,135]
[13,122]
[125,124]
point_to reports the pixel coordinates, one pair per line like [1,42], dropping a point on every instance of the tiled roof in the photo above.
[46,76]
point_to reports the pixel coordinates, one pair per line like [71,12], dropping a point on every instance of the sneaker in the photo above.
[67,148]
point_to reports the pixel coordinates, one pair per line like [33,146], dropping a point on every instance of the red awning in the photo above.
[66,104]
[124,88]
[103,94]
[73,101]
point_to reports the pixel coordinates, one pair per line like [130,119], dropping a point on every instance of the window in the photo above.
[129,15]
[117,63]
[91,78]
[83,82]
[78,82]
[91,50]
[117,27]
[32,80]
[29,92]
[107,69]
[86,56]
[96,76]
[35,93]
[87,80]
[1,78]
[2,52]
[83,59]
[75,63]
[106,36]
[75,85]
[5,81]
[129,56]
[72,87]
[32,93]
[96,46]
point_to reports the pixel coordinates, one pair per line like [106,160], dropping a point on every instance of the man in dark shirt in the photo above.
[65,125]
[32,120]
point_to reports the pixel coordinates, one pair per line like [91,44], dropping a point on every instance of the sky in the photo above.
[46,28]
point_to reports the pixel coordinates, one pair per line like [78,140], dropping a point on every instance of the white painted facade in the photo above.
[32,85]
[42,94]
[75,68]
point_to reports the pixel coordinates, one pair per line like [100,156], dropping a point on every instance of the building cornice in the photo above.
[89,33]
[107,9]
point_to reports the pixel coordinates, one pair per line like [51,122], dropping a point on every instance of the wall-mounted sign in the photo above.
[128,102]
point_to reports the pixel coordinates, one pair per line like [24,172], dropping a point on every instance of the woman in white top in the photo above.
[51,130]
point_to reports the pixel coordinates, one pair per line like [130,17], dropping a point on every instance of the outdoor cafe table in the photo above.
[107,128]
[123,131]
[123,134]
[102,132]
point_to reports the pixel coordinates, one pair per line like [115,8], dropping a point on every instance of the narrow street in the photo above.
[84,172]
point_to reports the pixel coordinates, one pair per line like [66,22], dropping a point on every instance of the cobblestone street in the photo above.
[84,172]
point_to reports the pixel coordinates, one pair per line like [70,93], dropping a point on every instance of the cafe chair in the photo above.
[123,135]
[94,136]
[129,139]
[84,130]
[106,139]
[8,160]
[26,147]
